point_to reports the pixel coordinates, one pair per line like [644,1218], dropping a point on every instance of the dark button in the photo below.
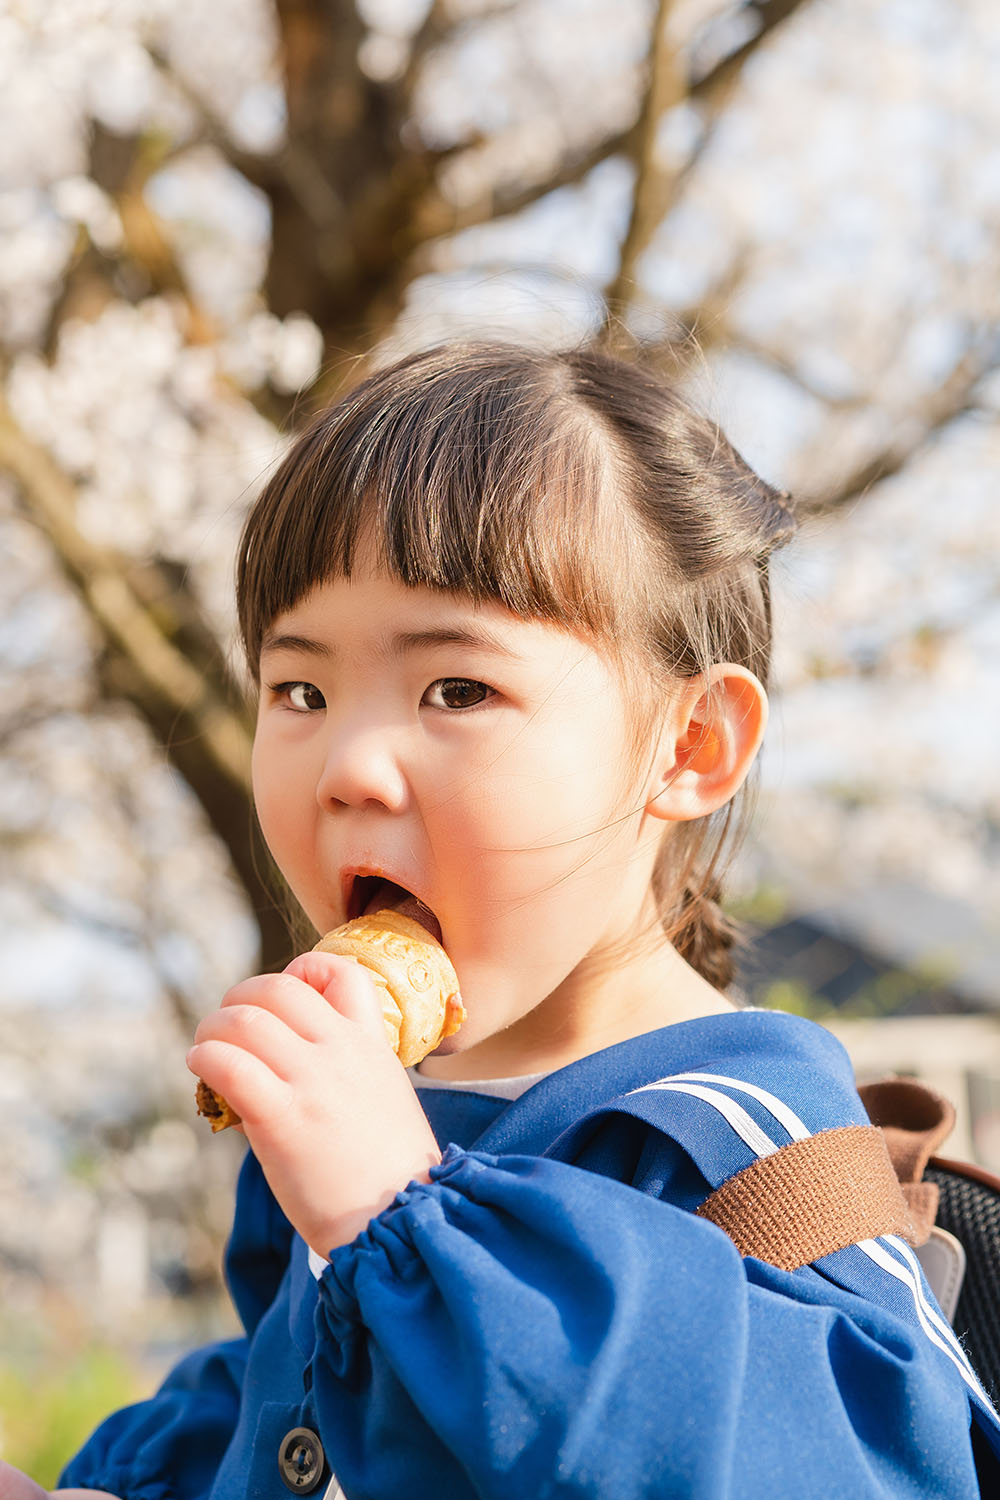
[301,1460]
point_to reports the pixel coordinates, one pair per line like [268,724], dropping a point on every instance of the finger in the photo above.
[258,1032]
[253,1089]
[346,985]
[17,1486]
[284,995]
[79,1495]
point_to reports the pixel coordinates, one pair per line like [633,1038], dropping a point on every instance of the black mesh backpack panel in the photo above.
[970,1209]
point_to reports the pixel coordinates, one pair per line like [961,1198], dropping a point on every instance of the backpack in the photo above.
[830,1190]
[960,1217]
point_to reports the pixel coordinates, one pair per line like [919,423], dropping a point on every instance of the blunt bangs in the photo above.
[470,470]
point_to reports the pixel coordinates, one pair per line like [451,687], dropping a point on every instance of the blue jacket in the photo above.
[548,1318]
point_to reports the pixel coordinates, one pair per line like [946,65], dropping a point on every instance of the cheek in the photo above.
[265,786]
[519,828]
[278,800]
[566,788]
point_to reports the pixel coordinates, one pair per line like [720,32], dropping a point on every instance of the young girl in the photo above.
[510,618]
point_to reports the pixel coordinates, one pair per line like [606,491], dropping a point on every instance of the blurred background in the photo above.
[210,217]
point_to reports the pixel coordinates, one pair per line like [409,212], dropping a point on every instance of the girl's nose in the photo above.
[360,768]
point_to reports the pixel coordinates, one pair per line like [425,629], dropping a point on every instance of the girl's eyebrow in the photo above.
[477,637]
[286,642]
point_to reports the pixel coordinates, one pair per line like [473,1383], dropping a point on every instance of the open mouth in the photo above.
[371,893]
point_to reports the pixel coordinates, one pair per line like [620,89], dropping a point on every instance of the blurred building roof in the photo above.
[894,950]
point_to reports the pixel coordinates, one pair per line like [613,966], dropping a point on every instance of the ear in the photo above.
[709,744]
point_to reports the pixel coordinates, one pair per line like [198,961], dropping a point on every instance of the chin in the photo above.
[452,1044]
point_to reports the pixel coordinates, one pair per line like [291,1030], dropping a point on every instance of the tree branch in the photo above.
[953,399]
[439,218]
[787,366]
[665,88]
[719,79]
[654,192]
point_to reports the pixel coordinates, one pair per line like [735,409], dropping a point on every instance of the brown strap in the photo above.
[812,1197]
[914,1120]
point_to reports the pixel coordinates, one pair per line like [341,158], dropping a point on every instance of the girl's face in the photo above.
[479,760]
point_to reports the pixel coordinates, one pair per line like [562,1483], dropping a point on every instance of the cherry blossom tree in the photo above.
[213,217]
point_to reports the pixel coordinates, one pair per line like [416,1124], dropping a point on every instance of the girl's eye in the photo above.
[301,696]
[456,692]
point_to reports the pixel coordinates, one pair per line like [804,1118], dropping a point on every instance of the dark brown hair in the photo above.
[569,487]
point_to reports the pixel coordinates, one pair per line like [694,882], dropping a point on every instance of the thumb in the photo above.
[358,994]
[17,1486]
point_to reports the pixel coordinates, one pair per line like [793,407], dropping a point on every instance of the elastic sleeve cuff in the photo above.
[370,1238]
[389,1238]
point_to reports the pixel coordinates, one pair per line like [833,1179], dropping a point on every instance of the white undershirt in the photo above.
[497,1088]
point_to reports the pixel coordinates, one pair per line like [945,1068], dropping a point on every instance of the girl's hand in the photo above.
[326,1105]
[17,1486]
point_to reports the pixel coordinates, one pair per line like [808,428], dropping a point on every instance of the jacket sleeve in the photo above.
[170,1447]
[519,1326]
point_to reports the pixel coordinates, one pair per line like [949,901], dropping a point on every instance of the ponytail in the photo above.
[706,936]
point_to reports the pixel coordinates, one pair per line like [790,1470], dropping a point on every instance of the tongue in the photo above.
[389,897]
